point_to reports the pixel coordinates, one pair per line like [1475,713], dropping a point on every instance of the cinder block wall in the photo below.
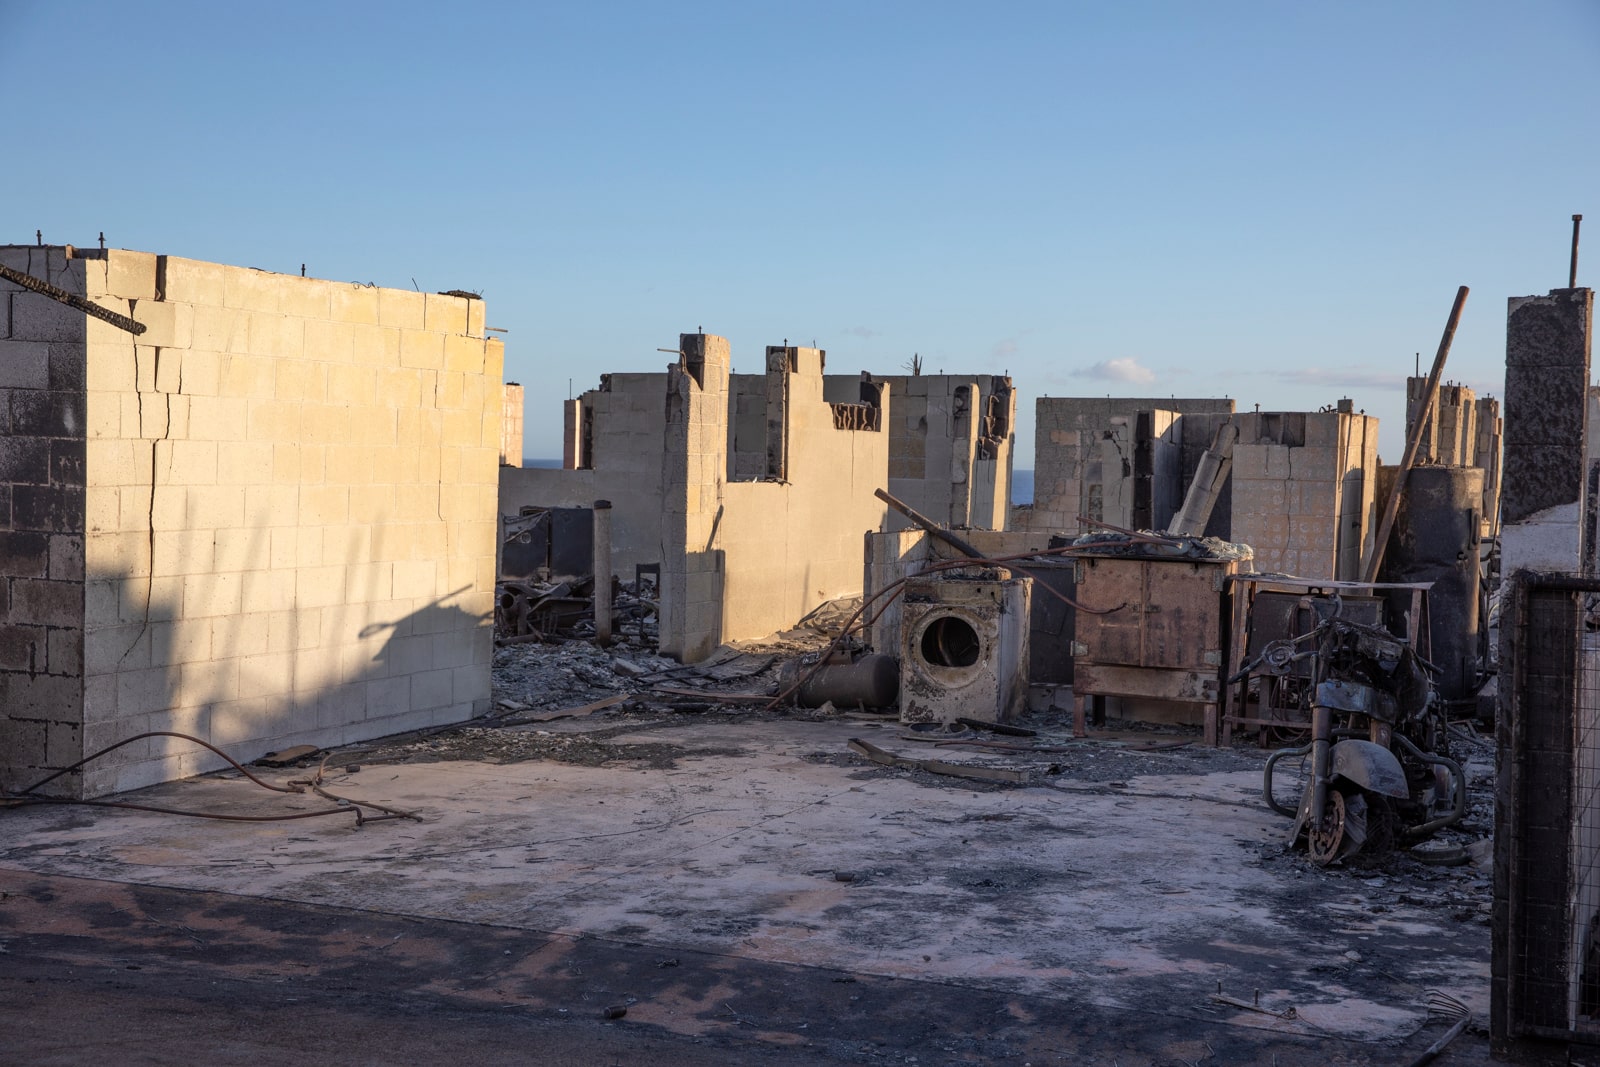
[288,512]
[946,459]
[1304,491]
[41,522]
[627,426]
[1071,437]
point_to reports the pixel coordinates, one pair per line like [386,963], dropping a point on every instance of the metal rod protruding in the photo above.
[1572,271]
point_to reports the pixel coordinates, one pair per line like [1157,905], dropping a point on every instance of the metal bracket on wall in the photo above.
[88,307]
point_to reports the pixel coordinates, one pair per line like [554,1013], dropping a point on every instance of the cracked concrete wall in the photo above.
[287,510]
[951,443]
[1074,437]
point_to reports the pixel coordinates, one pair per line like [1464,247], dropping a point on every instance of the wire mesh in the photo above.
[1553,892]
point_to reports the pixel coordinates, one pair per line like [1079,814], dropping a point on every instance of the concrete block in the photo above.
[249,289]
[320,586]
[25,365]
[247,376]
[166,325]
[300,380]
[103,415]
[191,462]
[24,648]
[307,298]
[273,420]
[401,309]
[431,689]
[190,281]
[276,336]
[142,691]
[215,506]
[219,329]
[52,508]
[47,413]
[25,460]
[39,318]
[354,385]
[421,350]
[212,594]
[66,557]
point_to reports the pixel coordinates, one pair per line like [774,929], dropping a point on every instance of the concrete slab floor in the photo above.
[1088,918]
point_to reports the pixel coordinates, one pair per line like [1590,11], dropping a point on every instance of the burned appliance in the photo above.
[1150,623]
[964,647]
[1377,767]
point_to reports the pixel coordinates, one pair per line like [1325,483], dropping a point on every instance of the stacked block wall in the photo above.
[288,512]
[1304,487]
[41,521]
[1548,349]
[1450,436]
[787,548]
[935,463]
[627,426]
[1070,442]
[511,426]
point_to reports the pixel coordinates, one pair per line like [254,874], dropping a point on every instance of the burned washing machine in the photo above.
[964,648]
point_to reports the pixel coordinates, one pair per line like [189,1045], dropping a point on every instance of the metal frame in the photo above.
[1243,589]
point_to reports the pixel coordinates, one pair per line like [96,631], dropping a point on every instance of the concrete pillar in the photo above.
[1548,341]
[572,457]
[693,471]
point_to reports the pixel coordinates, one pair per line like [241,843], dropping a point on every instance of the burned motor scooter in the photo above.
[1379,774]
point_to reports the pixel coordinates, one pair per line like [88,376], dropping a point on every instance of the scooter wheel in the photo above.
[1324,838]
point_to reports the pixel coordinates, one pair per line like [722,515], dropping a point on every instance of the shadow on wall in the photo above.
[251,682]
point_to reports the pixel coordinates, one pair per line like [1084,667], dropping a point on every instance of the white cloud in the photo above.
[1126,369]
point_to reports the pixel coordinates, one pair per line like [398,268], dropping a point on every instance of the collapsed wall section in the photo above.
[288,511]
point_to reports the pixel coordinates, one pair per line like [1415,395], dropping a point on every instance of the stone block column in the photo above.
[1548,340]
[693,471]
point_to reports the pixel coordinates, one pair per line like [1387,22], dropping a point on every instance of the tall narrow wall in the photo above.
[41,521]
[692,507]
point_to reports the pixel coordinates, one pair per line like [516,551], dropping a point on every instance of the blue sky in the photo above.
[1271,201]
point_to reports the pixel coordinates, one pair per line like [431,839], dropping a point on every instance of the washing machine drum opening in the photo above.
[950,641]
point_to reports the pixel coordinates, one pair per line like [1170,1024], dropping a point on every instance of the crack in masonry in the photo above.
[166,433]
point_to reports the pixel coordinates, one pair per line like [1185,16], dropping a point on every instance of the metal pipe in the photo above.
[1572,271]
[1429,397]
[1266,778]
[1321,760]
[928,524]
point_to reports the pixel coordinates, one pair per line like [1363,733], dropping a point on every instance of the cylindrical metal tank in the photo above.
[1435,539]
[871,681]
